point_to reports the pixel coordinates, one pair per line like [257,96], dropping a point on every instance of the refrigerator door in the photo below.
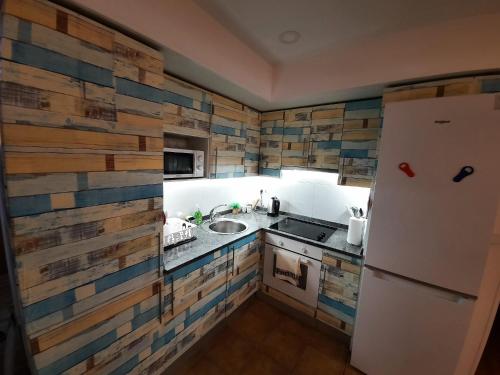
[407,328]
[428,227]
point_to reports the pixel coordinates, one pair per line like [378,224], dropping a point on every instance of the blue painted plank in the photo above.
[114,195]
[490,85]
[125,274]
[360,145]
[79,355]
[327,145]
[162,341]
[138,90]
[55,62]
[31,205]
[204,309]
[219,129]
[354,153]
[363,104]
[206,107]
[246,240]
[190,267]
[348,310]
[252,156]
[141,319]
[171,97]
[293,131]
[270,172]
[240,283]
[126,367]
[38,204]
[47,306]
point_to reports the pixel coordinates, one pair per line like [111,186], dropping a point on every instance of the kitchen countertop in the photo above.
[207,241]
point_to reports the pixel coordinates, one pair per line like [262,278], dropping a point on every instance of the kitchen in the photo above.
[167,209]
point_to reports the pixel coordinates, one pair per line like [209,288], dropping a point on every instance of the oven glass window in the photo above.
[178,163]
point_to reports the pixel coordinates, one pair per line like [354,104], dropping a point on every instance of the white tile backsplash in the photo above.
[307,193]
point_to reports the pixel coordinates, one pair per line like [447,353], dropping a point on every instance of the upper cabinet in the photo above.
[360,137]
[186,109]
[296,138]
[227,138]
[326,136]
[252,145]
[271,139]
[340,138]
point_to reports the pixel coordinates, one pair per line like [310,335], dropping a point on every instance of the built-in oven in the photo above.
[183,163]
[305,289]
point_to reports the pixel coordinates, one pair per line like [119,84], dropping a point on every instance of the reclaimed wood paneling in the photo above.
[338,291]
[187,108]
[228,139]
[360,140]
[82,133]
[327,123]
[271,143]
[296,138]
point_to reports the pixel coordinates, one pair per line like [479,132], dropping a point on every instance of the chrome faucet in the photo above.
[213,214]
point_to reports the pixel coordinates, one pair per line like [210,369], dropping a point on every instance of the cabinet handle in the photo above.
[304,250]
[281,243]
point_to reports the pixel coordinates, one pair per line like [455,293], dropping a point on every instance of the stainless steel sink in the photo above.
[228,226]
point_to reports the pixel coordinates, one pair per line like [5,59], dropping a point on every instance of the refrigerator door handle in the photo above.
[424,288]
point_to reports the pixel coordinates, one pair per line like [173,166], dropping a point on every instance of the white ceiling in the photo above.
[331,24]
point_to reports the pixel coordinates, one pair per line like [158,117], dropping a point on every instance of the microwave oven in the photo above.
[181,163]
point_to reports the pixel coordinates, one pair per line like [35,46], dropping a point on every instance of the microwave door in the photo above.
[178,164]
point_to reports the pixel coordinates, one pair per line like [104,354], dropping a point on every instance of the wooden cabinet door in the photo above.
[326,137]
[338,293]
[243,271]
[296,138]
[227,139]
[271,141]
[252,145]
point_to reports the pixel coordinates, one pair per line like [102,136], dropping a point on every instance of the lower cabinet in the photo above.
[338,292]
[200,294]
[243,271]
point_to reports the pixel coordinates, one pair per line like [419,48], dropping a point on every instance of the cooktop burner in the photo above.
[312,231]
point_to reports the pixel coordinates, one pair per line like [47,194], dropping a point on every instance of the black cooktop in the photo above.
[312,231]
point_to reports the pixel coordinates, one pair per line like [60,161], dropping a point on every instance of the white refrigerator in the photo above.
[434,206]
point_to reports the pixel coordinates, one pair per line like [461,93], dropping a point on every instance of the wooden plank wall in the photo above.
[82,119]
[187,109]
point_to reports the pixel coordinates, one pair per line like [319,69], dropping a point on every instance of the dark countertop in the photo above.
[207,241]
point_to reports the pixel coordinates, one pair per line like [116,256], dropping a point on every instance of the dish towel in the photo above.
[287,267]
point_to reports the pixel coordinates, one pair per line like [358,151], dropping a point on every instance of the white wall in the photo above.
[308,193]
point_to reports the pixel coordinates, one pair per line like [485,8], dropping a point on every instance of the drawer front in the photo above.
[295,246]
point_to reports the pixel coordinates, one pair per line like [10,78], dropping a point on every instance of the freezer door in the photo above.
[428,227]
[407,328]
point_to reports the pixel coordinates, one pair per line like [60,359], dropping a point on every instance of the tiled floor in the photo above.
[259,339]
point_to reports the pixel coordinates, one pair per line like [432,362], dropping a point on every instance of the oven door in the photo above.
[307,290]
[178,163]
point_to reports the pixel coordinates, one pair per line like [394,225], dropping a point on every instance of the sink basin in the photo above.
[227,226]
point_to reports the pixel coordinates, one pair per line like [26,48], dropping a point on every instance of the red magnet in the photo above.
[405,167]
